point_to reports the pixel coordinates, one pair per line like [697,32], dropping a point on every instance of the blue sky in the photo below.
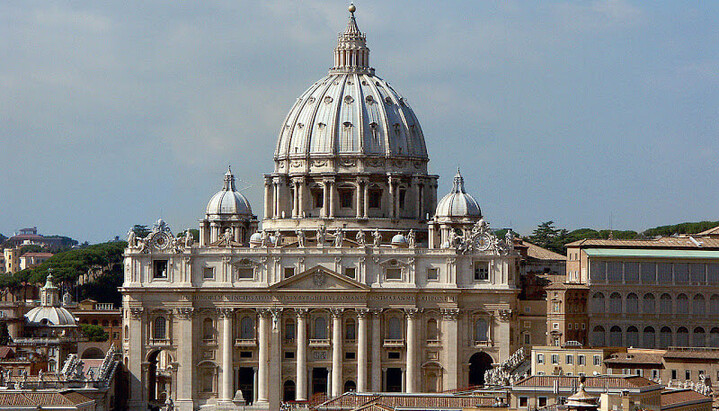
[586,112]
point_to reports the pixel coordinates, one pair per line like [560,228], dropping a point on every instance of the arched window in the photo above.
[665,304]
[160,328]
[350,386]
[648,306]
[632,303]
[615,303]
[699,305]
[207,378]
[394,329]
[208,329]
[598,303]
[714,304]
[615,336]
[350,330]
[127,332]
[598,336]
[320,328]
[698,337]
[682,304]
[288,391]
[665,337]
[682,337]
[714,337]
[480,330]
[105,323]
[247,328]
[648,337]
[432,334]
[632,336]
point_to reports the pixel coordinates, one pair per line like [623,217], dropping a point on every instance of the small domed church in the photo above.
[358,278]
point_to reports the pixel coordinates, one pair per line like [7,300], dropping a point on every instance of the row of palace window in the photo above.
[569,359]
[682,337]
[631,304]
[319,330]
[653,273]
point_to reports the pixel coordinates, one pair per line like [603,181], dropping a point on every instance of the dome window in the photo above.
[369,100]
[321,126]
[300,125]
[328,100]
[388,100]
[349,99]
[347,124]
[311,100]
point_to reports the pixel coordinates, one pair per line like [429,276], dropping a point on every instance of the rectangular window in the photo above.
[648,272]
[687,375]
[375,198]
[542,402]
[245,354]
[245,273]
[655,374]
[289,272]
[432,274]
[681,273]
[665,273]
[555,326]
[556,307]
[345,198]
[349,355]
[523,402]
[555,358]
[597,360]
[393,355]
[570,359]
[402,197]
[208,273]
[394,274]
[581,360]
[569,326]
[631,272]
[598,271]
[481,270]
[674,374]
[289,331]
[350,272]
[289,355]
[527,339]
[159,269]
[584,326]
[540,358]
[317,198]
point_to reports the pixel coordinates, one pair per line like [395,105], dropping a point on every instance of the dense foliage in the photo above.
[94,333]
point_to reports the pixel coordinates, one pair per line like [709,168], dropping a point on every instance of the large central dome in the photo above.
[350,113]
[350,153]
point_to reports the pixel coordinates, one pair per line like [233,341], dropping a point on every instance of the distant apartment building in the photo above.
[570,360]
[677,364]
[29,260]
[648,293]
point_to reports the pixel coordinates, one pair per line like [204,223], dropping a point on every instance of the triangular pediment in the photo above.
[319,278]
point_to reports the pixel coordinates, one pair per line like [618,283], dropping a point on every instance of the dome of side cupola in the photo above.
[458,204]
[351,114]
[50,313]
[229,201]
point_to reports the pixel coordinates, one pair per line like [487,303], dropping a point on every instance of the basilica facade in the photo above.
[359,278]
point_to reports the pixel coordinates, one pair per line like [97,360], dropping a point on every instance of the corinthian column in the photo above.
[336,352]
[185,361]
[362,350]
[450,343]
[262,374]
[376,353]
[411,349]
[301,355]
[227,369]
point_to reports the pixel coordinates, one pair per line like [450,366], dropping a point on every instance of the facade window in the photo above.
[351,272]
[569,326]
[160,328]
[207,378]
[159,269]
[394,329]
[208,329]
[556,307]
[375,198]
[570,359]
[555,358]
[481,270]
[349,355]
[581,360]
[289,330]
[542,402]
[632,303]
[289,272]
[615,303]
[247,328]
[682,304]
[432,332]
[597,360]
[320,328]
[674,374]
[687,375]
[598,303]
[555,326]
[345,195]
[527,339]
[317,198]
[289,355]
[480,330]
[523,402]
[394,355]
[394,273]
[350,330]
[208,273]
[245,273]
[433,274]
[402,197]
[540,358]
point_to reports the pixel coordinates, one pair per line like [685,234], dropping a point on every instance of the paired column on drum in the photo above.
[226,394]
[337,385]
[301,354]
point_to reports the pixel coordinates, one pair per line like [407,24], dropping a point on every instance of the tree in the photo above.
[141,231]
[544,235]
[4,334]
[94,333]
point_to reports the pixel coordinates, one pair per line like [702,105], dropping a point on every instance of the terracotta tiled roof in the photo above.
[634,358]
[540,253]
[662,242]
[351,401]
[711,231]
[38,255]
[42,398]
[604,381]
[701,353]
[6,352]
[677,398]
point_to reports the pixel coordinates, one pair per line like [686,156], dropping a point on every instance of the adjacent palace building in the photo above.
[358,280]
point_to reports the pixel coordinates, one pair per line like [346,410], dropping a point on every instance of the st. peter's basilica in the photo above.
[358,279]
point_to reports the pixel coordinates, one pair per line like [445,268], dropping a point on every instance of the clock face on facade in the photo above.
[484,242]
[161,241]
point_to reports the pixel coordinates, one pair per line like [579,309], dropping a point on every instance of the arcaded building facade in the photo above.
[359,278]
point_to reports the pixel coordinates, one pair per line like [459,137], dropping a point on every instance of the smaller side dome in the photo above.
[458,204]
[399,240]
[228,201]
